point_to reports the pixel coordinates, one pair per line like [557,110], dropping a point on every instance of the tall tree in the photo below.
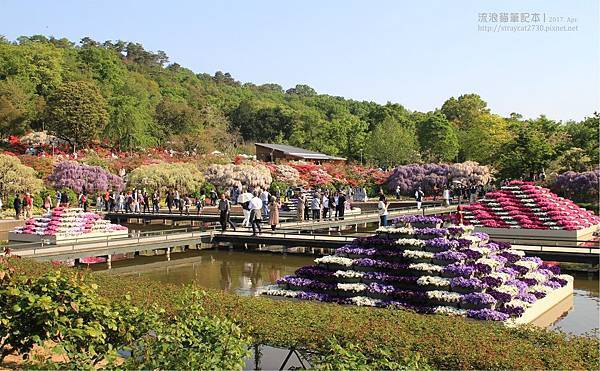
[465,109]
[391,144]
[437,138]
[76,112]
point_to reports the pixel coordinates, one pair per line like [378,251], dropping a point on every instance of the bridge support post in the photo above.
[168,254]
[355,227]
[109,261]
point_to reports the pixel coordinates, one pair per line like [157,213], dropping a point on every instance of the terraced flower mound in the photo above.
[419,265]
[525,205]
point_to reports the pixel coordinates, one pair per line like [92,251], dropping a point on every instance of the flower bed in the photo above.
[451,270]
[523,205]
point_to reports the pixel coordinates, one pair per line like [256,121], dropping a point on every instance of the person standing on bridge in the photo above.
[274,212]
[17,204]
[155,202]
[382,208]
[419,197]
[169,201]
[325,204]
[255,213]
[224,207]
[446,196]
[341,205]
[315,206]
[146,199]
[265,196]
[301,201]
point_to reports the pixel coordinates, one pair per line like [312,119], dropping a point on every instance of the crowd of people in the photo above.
[321,205]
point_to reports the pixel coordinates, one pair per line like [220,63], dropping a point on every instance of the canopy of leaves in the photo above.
[185,177]
[16,177]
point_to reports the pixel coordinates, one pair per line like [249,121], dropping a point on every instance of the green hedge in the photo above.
[444,342]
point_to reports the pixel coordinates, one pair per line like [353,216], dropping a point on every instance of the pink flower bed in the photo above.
[524,205]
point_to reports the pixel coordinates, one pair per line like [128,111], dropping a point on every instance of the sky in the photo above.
[416,53]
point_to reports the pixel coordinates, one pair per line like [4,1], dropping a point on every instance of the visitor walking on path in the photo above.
[341,206]
[255,213]
[265,196]
[325,204]
[273,212]
[397,192]
[17,204]
[48,203]
[333,203]
[155,202]
[187,202]
[176,199]
[315,206]
[58,198]
[198,204]
[382,207]
[64,199]
[419,197]
[99,203]
[446,196]
[224,207]
[146,200]
[169,202]
[121,202]
[300,207]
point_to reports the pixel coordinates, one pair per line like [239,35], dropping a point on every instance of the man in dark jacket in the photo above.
[17,203]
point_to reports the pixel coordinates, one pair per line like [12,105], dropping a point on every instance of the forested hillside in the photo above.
[118,94]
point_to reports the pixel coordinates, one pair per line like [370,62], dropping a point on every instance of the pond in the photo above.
[244,272]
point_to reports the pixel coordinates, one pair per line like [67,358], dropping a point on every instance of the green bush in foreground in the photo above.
[381,335]
[61,314]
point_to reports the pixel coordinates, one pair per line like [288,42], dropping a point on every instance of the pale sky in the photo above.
[416,53]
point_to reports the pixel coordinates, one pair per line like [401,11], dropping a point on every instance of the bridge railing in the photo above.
[133,237]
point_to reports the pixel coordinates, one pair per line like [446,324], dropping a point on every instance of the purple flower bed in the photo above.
[467,284]
[492,246]
[378,288]
[459,270]
[456,231]
[350,250]
[462,243]
[487,314]
[561,281]
[539,294]
[508,270]
[501,259]
[384,277]
[482,268]
[500,296]
[491,281]
[555,269]
[440,244]
[509,256]
[482,236]
[472,254]
[306,295]
[438,232]
[313,271]
[305,283]
[410,296]
[527,297]
[375,242]
[421,219]
[512,310]
[372,263]
[552,284]
[479,299]
[450,255]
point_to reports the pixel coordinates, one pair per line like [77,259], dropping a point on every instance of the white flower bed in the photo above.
[530,265]
[449,311]
[400,230]
[348,274]
[354,287]
[539,288]
[416,254]
[410,242]
[433,281]
[331,259]
[364,301]
[538,277]
[501,276]
[446,296]
[426,267]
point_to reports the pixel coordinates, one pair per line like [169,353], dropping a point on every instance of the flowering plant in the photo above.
[487,314]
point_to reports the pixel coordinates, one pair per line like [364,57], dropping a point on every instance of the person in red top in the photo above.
[28,205]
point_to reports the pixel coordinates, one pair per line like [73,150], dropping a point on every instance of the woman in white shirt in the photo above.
[382,207]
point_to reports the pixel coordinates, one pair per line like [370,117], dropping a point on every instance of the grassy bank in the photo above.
[445,342]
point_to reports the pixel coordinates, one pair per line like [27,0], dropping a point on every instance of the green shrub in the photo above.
[61,313]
